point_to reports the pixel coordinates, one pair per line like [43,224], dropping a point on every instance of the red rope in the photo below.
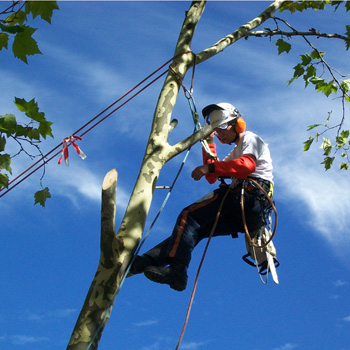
[44,159]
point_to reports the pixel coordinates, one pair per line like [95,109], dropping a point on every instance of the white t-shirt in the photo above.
[251,143]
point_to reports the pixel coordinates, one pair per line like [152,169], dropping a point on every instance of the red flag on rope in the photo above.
[70,141]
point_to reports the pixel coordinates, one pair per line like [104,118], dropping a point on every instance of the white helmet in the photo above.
[218,115]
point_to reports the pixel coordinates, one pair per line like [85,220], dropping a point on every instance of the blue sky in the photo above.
[93,52]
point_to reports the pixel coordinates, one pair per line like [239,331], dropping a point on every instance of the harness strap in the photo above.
[243,215]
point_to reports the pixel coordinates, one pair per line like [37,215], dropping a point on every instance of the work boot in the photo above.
[139,264]
[175,276]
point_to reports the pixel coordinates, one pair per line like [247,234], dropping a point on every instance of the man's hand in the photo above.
[211,137]
[200,171]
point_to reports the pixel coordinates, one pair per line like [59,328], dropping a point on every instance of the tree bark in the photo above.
[103,287]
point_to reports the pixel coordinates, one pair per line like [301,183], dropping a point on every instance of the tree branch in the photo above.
[98,303]
[240,33]
[312,32]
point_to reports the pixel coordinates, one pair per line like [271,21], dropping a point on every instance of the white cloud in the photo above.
[38,317]
[65,313]
[77,180]
[346,319]
[98,79]
[325,196]
[24,339]
[146,323]
[287,346]
[340,283]
[193,345]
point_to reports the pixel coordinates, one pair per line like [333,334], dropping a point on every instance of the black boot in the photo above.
[174,275]
[139,264]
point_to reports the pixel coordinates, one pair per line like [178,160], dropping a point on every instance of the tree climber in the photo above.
[167,262]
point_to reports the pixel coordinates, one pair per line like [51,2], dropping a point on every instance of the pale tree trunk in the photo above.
[117,249]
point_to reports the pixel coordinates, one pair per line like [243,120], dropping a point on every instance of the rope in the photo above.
[44,159]
[200,266]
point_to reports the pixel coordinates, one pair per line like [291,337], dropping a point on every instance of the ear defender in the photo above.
[240,125]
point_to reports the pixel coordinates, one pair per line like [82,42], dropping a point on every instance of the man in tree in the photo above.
[167,262]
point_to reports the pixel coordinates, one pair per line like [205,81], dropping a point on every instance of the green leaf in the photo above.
[310,72]
[30,108]
[45,129]
[22,131]
[11,29]
[2,143]
[316,55]
[44,9]
[4,38]
[298,70]
[305,59]
[310,127]
[41,196]
[5,161]
[322,86]
[328,161]
[347,6]
[327,89]
[33,134]
[317,81]
[8,124]
[345,85]
[308,143]
[283,46]
[16,17]
[347,43]
[326,146]
[328,118]
[344,166]
[291,6]
[345,133]
[24,45]
[4,180]
[341,141]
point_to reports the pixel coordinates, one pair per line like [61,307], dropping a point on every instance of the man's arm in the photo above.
[239,168]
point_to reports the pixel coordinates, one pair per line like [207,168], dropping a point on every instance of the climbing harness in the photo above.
[259,245]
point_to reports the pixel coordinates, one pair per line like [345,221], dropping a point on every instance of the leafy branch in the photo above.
[341,144]
[33,132]
[14,29]
[313,68]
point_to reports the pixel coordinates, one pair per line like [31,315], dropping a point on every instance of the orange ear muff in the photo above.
[240,125]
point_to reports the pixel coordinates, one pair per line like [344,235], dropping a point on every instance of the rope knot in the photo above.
[67,142]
